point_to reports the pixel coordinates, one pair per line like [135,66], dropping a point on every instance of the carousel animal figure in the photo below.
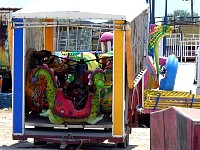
[60,109]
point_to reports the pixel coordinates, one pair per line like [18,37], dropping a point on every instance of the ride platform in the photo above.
[155,100]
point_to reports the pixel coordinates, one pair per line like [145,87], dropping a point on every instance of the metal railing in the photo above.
[173,45]
[183,47]
[189,48]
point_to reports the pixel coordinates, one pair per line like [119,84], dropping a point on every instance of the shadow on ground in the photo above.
[22,145]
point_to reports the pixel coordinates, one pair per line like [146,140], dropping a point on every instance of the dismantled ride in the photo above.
[71,72]
[64,90]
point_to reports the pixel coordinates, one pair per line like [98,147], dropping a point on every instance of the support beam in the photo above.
[165,23]
[118,81]
[18,76]
[192,11]
[49,37]
[153,12]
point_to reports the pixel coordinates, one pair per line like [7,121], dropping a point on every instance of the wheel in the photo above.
[38,142]
[144,120]
[125,143]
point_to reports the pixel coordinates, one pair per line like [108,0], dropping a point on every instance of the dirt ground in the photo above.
[139,139]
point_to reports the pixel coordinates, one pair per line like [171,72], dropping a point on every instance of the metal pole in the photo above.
[151,21]
[198,73]
[153,12]
[165,23]
[192,11]
[197,67]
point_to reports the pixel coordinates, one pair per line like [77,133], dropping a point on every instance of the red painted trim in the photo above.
[130,108]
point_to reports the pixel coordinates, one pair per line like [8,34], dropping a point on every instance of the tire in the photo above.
[38,142]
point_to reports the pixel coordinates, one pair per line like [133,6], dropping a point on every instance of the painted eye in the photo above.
[62,111]
[34,79]
[70,112]
[59,104]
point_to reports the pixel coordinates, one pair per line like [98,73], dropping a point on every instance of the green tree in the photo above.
[182,17]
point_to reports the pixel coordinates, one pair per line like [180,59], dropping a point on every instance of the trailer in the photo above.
[72,85]
[5,53]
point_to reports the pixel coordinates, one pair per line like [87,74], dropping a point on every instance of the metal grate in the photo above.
[36,120]
[158,99]
[67,133]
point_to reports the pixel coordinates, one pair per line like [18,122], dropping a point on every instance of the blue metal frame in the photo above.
[157,101]
[18,80]
[150,9]
[165,23]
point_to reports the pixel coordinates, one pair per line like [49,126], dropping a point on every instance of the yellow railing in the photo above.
[158,99]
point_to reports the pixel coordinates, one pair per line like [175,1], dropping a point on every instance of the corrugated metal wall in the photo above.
[140,30]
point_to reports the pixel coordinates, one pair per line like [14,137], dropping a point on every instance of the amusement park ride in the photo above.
[66,92]
[79,80]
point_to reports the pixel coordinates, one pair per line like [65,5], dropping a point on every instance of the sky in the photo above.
[175,5]
[159,5]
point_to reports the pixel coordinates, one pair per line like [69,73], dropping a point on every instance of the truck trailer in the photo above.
[78,71]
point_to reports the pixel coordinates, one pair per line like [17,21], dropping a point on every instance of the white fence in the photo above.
[184,47]
[173,45]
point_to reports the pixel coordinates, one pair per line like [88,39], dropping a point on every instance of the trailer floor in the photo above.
[34,119]
[41,129]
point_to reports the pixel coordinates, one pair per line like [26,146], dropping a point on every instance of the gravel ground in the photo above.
[139,139]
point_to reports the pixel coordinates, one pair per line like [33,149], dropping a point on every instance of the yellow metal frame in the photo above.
[129,58]
[10,40]
[170,98]
[119,78]
[49,37]
[118,75]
